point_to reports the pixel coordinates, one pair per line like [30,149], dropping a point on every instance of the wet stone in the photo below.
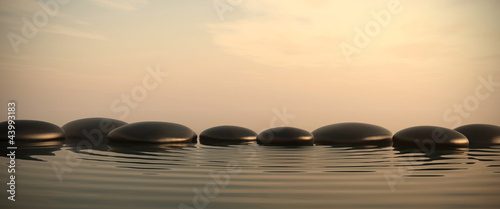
[33,130]
[227,135]
[352,134]
[153,132]
[285,136]
[90,133]
[86,127]
[481,134]
[429,137]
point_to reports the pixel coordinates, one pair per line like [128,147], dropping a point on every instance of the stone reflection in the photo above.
[29,150]
[146,148]
[430,163]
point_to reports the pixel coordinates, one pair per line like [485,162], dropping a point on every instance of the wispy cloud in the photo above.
[18,7]
[289,33]
[129,5]
[62,23]
[294,34]
[69,31]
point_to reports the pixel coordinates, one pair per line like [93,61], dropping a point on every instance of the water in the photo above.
[252,176]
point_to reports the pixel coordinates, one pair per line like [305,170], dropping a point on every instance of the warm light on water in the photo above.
[248,176]
[258,64]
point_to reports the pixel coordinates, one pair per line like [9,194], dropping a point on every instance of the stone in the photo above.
[83,128]
[226,135]
[429,137]
[32,130]
[90,133]
[352,134]
[285,136]
[481,134]
[153,132]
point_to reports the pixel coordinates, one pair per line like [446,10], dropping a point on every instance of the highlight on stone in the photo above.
[153,132]
[86,127]
[33,130]
[227,135]
[352,134]
[481,134]
[429,137]
[285,136]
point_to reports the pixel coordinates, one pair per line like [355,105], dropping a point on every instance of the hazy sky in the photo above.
[244,62]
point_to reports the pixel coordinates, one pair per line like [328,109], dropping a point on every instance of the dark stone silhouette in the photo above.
[81,128]
[32,138]
[33,130]
[429,138]
[285,136]
[481,134]
[91,132]
[355,134]
[154,132]
[227,135]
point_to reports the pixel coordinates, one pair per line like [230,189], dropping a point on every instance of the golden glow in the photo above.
[264,55]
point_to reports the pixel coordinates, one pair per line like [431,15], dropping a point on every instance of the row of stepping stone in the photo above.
[345,134]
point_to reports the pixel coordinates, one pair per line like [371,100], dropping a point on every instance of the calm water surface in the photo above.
[251,176]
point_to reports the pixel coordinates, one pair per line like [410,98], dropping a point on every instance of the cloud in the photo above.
[57,24]
[292,33]
[301,33]
[69,31]
[18,7]
[129,5]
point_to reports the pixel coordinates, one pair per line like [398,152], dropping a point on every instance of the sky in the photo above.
[253,63]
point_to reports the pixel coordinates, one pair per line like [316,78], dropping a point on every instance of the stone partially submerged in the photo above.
[32,130]
[481,134]
[352,134]
[429,137]
[90,133]
[227,135]
[153,132]
[285,136]
[31,137]
[83,128]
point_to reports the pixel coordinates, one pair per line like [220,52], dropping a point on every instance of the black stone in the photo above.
[481,134]
[285,136]
[153,132]
[32,130]
[429,137]
[90,133]
[227,135]
[86,127]
[353,134]
[32,138]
